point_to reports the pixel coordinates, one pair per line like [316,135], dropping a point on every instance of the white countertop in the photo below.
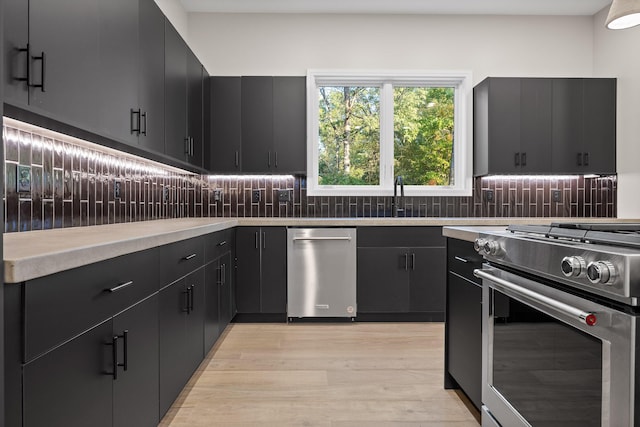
[32,254]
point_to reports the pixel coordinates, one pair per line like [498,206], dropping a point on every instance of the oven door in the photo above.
[545,365]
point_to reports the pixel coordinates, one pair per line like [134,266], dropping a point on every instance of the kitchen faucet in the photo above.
[396,202]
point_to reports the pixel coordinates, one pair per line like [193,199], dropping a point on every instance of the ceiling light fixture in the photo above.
[623,14]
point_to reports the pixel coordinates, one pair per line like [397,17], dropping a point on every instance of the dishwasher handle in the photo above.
[323,238]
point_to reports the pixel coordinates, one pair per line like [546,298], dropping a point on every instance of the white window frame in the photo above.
[386,80]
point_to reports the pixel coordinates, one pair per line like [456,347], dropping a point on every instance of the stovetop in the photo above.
[602,259]
[613,234]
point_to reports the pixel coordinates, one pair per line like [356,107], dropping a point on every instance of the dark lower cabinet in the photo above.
[71,385]
[75,383]
[135,392]
[463,322]
[464,328]
[219,301]
[181,323]
[261,277]
[394,278]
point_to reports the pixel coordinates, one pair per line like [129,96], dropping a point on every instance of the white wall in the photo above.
[176,14]
[617,54]
[289,44]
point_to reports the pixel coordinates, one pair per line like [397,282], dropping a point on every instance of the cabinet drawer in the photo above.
[63,305]
[400,237]
[462,259]
[180,258]
[218,243]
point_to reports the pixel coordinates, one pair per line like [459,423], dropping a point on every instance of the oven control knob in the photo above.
[573,266]
[478,244]
[601,272]
[491,248]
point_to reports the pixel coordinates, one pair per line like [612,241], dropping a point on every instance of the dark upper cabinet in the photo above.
[258,124]
[64,40]
[117,81]
[290,124]
[544,126]
[16,36]
[258,154]
[151,77]
[584,125]
[195,129]
[176,144]
[226,136]
[183,100]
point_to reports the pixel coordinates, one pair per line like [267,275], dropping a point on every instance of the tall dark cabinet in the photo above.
[175,94]
[258,154]
[2,373]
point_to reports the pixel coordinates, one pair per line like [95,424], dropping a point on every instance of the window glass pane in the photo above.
[423,135]
[349,135]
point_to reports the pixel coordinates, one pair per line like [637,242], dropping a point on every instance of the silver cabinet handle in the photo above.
[224,242]
[583,316]
[461,259]
[406,261]
[121,286]
[188,257]
[413,261]
[256,240]
[322,238]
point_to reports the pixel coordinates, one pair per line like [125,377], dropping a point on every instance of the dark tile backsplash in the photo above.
[72,185]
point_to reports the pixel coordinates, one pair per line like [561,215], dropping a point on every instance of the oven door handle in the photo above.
[585,317]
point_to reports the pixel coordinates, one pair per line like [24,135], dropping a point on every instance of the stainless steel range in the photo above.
[561,305]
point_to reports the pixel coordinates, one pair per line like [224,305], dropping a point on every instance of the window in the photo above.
[366,128]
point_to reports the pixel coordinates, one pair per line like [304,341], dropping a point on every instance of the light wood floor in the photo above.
[328,375]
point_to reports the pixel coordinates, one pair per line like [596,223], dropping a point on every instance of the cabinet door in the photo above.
[273,292]
[248,272]
[175,86]
[194,109]
[67,32]
[225,124]
[535,125]
[383,281]
[599,133]
[257,124]
[118,75]
[504,125]
[194,331]
[226,291]
[70,385]
[212,304]
[567,125]
[427,274]
[174,371]
[464,335]
[135,392]
[290,124]
[151,75]
[15,18]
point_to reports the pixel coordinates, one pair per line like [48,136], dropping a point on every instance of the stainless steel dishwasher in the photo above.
[321,272]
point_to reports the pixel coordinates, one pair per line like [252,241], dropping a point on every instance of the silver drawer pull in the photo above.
[188,257]
[461,259]
[224,242]
[322,238]
[322,306]
[121,286]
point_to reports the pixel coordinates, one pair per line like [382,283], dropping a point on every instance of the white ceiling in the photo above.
[436,7]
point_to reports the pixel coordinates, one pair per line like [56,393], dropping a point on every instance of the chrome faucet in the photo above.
[396,202]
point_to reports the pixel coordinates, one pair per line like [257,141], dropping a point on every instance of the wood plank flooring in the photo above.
[325,375]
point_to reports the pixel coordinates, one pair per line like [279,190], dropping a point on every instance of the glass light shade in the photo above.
[623,14]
